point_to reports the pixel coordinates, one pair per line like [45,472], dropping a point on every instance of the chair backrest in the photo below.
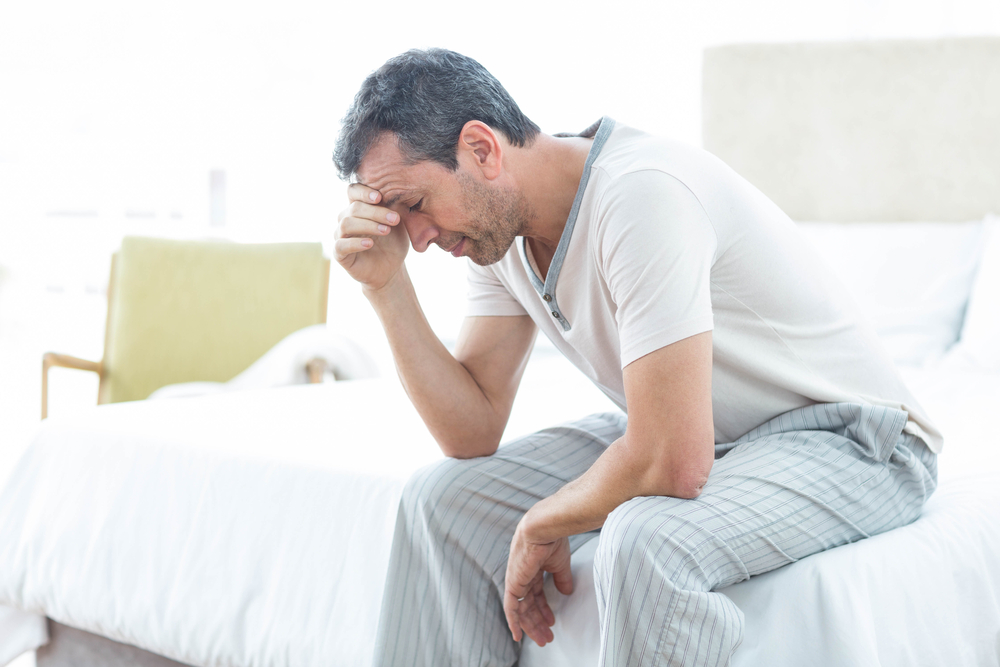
[185,311]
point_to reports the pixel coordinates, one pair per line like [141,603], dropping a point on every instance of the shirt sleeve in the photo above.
[487,295]
[656,247]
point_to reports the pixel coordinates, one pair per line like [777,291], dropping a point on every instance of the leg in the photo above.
[442,603]
[804,482]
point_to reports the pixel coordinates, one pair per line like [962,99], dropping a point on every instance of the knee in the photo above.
[435,487]
[645,533]
[427,486]
[624,536]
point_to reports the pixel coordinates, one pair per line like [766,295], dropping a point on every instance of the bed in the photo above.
[252,528]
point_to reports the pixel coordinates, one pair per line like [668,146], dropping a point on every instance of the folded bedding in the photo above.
[252,528]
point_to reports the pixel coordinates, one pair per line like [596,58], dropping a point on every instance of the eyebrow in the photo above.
[395,199]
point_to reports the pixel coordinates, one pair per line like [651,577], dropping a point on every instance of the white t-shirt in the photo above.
[668,242]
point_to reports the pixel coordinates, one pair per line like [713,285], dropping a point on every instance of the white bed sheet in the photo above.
[248,528]
[225,530]
[253,529]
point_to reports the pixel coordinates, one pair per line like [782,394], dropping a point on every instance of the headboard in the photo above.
[877,130]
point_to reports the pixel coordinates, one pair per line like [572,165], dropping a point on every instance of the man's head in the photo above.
[429,130]
[424,99]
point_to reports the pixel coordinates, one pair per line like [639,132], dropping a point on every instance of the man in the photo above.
[764,422]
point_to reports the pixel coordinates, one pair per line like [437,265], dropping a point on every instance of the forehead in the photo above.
[387,170]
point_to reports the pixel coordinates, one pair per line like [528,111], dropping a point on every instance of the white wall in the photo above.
[113,113]
[114,106]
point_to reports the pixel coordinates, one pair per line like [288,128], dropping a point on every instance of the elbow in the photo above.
[684,479]
[456,453]
[689,484]
[467,441]
[471,440]
[468,448]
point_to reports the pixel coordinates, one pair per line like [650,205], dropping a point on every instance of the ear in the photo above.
[480,148]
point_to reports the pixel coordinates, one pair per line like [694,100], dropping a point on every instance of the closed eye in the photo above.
[416,207]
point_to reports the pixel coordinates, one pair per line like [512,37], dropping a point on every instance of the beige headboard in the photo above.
[879,130]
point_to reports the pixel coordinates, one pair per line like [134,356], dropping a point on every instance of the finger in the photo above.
[359,192]
[533,616]
[547,613]
[515,589]
[344,248]
[563,580]
[361,227]
[510,610]
[360,209]
[543,604]
[534,624]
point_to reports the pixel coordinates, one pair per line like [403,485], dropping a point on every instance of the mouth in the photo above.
[456,250]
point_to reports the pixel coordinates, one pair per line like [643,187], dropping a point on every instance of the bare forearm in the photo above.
[619,475]
[451,403]
[667,450]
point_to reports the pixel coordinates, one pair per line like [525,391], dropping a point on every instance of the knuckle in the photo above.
[349,227]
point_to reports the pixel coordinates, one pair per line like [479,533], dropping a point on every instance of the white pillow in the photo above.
[980,341]
[911,279]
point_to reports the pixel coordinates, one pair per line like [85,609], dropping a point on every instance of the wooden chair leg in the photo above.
[45,388]
[316,368]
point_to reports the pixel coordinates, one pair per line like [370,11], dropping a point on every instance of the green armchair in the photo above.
[185,311]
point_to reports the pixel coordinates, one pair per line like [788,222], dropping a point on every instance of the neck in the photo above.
[548,173]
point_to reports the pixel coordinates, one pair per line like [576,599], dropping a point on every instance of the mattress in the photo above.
[253,528]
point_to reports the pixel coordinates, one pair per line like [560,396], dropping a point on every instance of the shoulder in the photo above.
[648,206]
[644,187]
[642,173]
[629,150]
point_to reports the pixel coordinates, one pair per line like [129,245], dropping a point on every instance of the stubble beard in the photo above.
[497,216]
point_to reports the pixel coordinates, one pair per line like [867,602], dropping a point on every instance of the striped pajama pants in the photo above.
[808,480]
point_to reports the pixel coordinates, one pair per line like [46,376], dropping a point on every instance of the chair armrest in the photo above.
[50,359]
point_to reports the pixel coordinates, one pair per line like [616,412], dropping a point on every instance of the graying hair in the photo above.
[425,98]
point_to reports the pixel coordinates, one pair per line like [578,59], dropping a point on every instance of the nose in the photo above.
[420,230]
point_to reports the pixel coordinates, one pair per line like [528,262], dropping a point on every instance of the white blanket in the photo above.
[252,528]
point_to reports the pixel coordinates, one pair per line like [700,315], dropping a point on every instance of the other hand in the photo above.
[370,242]
[524,603]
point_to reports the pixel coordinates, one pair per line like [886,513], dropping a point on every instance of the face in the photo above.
[462,215]
[496,216]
